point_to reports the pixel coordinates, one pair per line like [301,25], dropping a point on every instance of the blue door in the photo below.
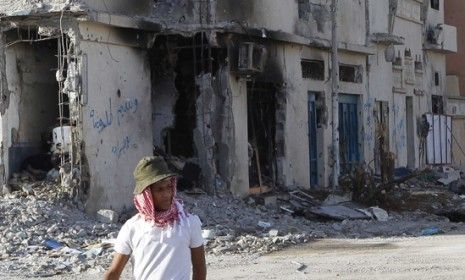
[312,139]
[348,131]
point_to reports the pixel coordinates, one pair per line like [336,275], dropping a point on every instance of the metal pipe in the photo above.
[335,96]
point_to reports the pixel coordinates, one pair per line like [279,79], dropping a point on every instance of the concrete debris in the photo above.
[300,266]
[449,175]
[42,234]
[401,172]
[267,200]
[273,233]
[458,187]
[53,175]
[107,216]
[208,234]
[338,212]
[333,199]
[430,231]
[379,214]
[263,224]
[6,189]
[29,188]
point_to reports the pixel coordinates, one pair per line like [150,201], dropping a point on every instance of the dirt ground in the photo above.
[436,257]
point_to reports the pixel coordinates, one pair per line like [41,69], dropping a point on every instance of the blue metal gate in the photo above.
[312,139]
[348,131]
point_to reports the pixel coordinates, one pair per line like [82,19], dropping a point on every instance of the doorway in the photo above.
[410,132]
[348,131]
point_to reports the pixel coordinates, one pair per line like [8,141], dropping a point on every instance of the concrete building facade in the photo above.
[456,80]
[240,89]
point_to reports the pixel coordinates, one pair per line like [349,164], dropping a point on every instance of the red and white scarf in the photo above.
[145,205]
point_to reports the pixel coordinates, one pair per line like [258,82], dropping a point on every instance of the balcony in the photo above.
[441,38]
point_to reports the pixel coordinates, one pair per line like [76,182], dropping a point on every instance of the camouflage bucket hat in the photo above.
[150,170]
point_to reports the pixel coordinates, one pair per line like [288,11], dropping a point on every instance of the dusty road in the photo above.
[439,257]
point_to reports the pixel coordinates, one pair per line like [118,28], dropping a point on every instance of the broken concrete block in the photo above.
[208,234]
[333,199]
[300,266]
[263,224]
[28,188]
[380,214]
[449,175]
[250,201]
[53,174]
[273,233]
[107,216]
[268,200]
[458,187]
[338,212]
[447,181]
[6,189]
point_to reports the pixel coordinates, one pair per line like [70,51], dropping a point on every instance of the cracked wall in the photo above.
[25,7]
[117,117]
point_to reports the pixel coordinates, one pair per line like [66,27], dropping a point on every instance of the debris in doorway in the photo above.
[38,165]
[267,200]
[190,178]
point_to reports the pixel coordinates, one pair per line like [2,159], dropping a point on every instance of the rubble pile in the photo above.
[430,193]
[43,234]
[235,226]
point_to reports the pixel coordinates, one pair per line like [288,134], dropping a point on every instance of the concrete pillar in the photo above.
[240,180]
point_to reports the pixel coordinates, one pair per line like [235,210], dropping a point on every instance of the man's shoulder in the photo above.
[193,219]
[134,220]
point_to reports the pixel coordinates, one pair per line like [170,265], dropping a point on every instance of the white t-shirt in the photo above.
[159,254]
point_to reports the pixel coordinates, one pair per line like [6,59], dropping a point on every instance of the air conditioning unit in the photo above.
[252,58]
[433,34]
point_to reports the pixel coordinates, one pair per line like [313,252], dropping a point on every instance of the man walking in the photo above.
[164,241]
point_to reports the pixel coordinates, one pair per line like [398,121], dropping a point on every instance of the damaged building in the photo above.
[236,93]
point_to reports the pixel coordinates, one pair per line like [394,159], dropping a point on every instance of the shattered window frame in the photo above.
[350,73]
[313,69]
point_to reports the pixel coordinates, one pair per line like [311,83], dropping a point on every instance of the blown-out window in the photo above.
[313,69]
[350,73]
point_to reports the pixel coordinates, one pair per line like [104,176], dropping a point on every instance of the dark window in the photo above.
[435,4]
[350,73]
[304,9]
[436,78]
[313,69]
[437,104]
